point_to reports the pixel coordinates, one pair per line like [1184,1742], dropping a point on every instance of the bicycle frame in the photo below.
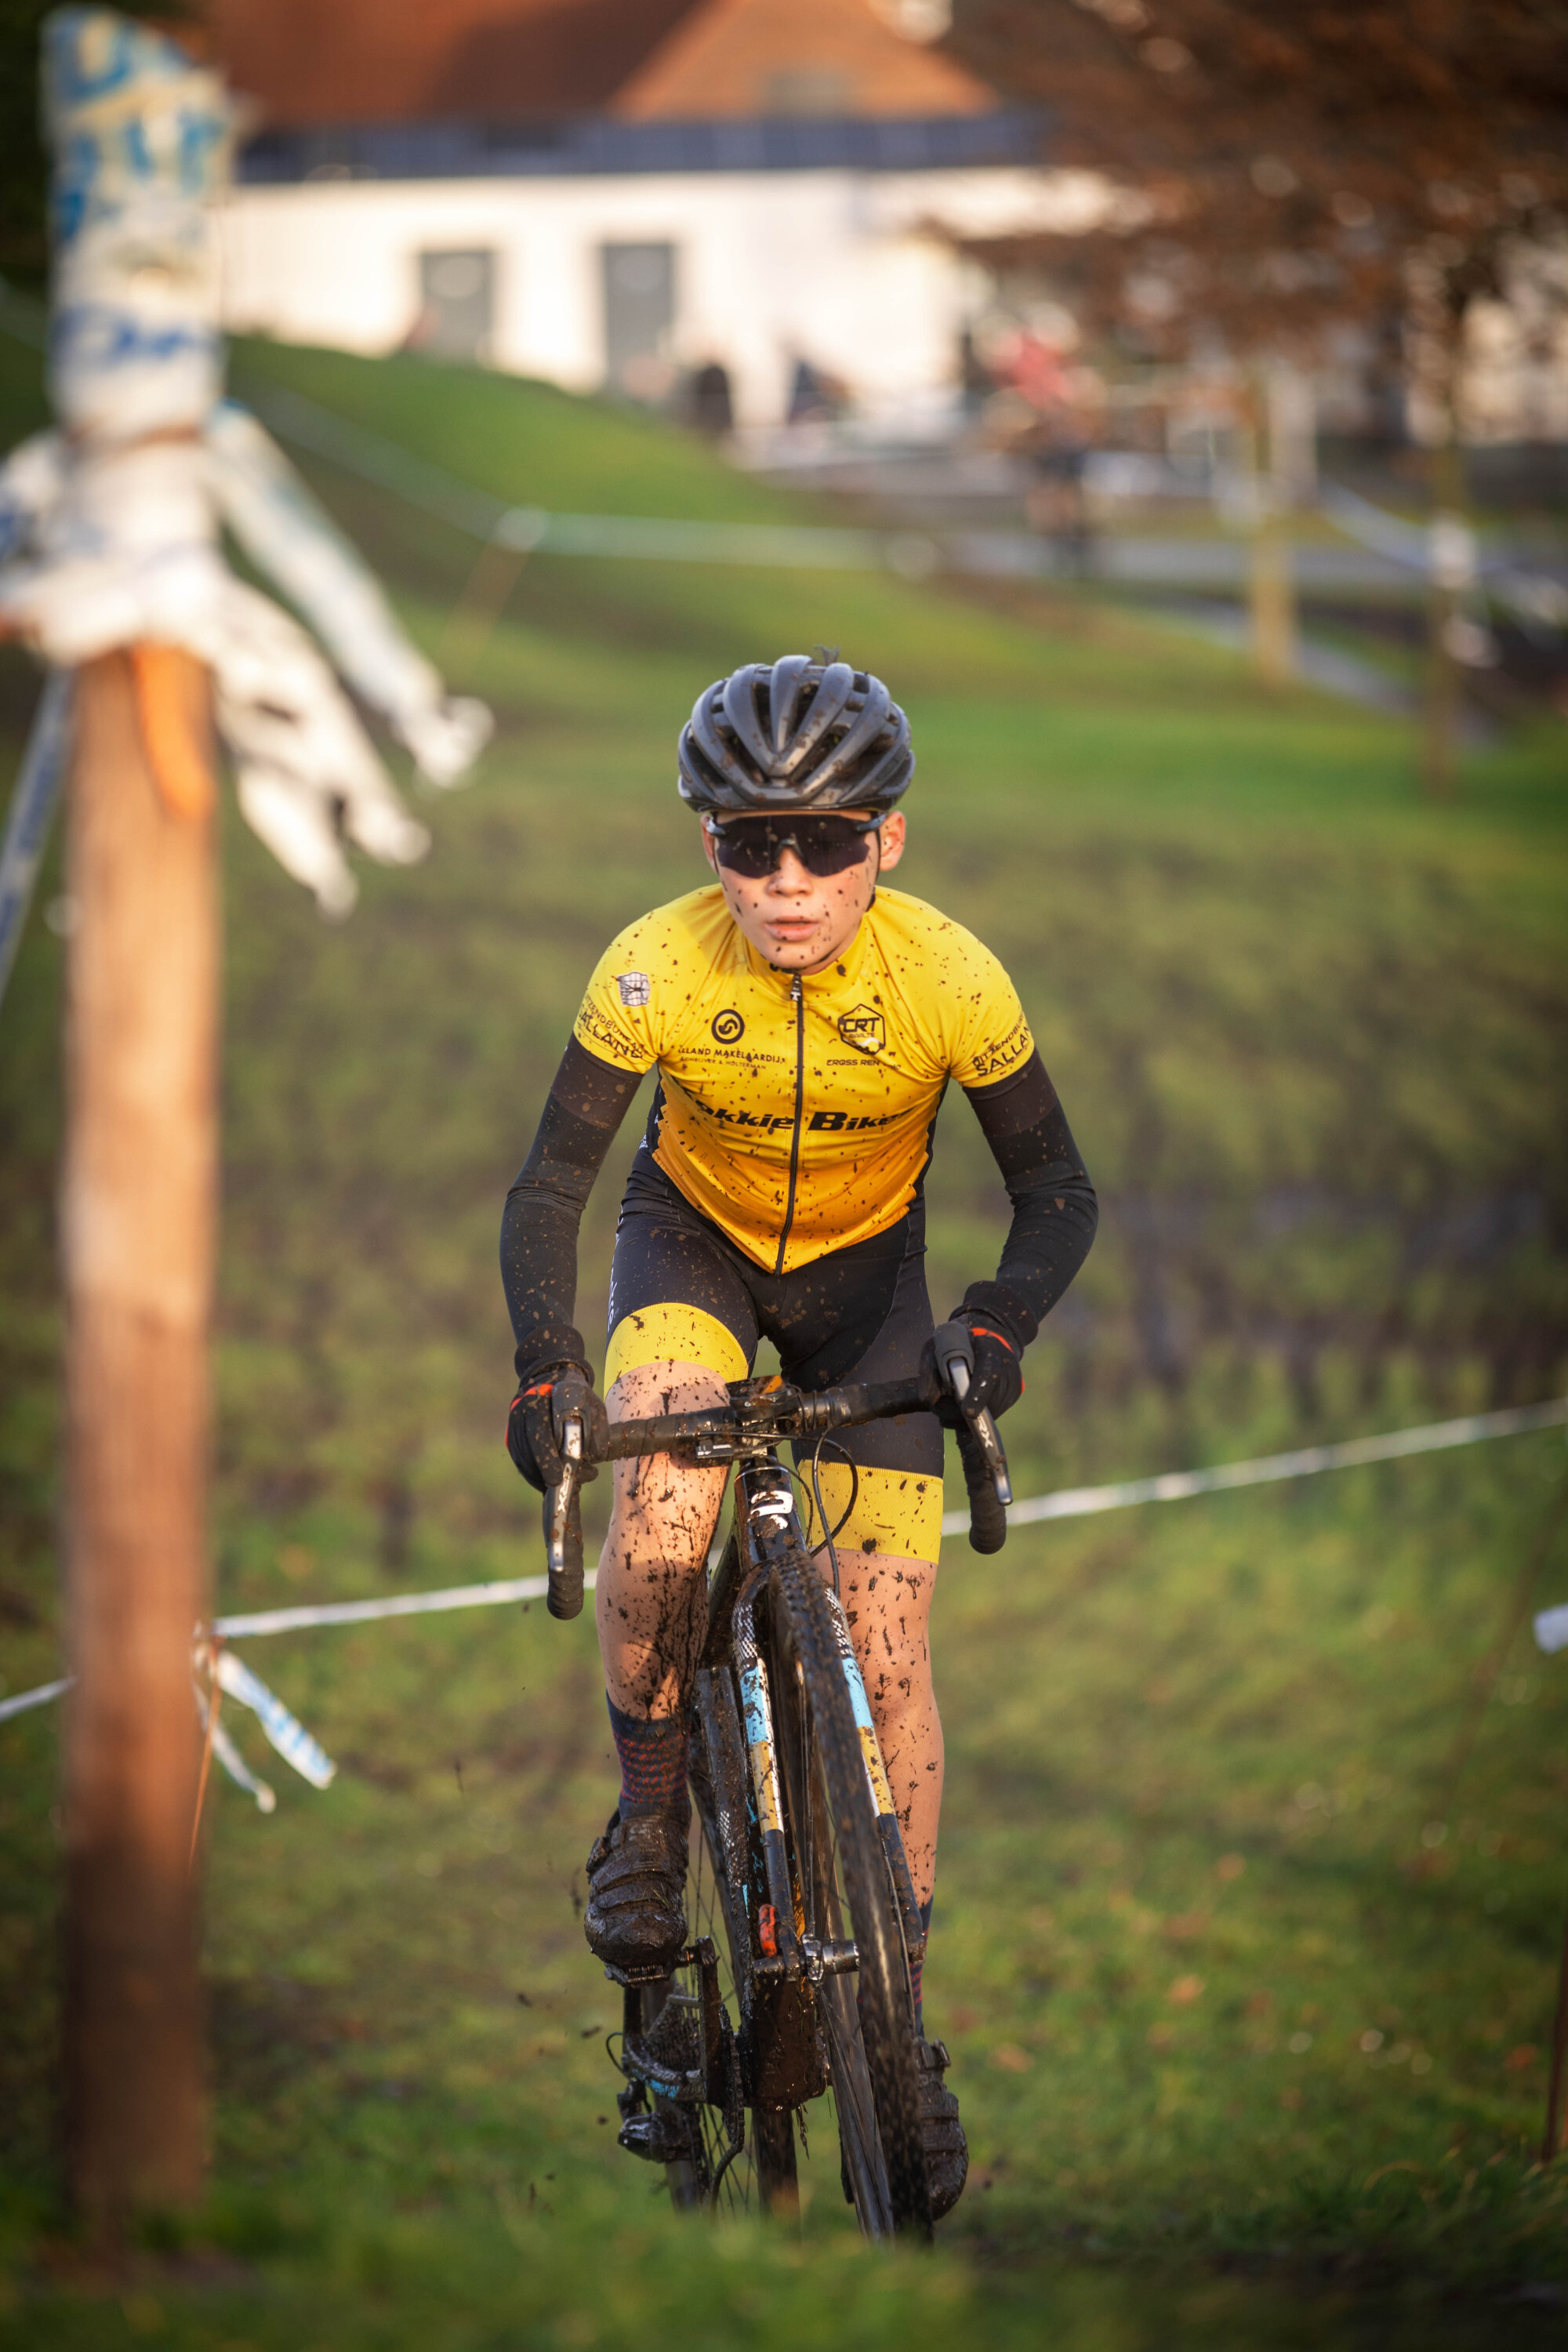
[777,2056]
[680,2052]
[766,1523]
[765,1519]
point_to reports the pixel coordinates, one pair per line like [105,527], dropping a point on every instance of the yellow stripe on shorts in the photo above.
[897,1511]
[673,1334]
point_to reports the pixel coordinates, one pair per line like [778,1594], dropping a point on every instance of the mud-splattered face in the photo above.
[801,921]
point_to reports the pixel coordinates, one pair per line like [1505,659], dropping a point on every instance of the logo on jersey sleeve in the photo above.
[727,1027]
[865,1029]
[995,1061]
[635,987]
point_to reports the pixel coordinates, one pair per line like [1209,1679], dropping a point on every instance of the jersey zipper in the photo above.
[797,998]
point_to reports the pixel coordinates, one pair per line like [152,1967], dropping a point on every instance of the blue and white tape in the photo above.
[1068,1503]
[289,1738]
[1552,1629]
[240,1773]
[233,1762]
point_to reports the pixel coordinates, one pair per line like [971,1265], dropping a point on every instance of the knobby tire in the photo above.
[719,1910]
[879,1996]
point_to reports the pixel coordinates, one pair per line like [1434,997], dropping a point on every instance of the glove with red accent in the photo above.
[995,1377]
[534,1426]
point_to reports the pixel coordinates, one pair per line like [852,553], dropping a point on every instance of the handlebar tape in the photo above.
[987,1517]
[564,1542]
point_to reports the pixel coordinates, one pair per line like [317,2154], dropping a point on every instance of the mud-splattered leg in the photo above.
[651,1598]
[887,1600]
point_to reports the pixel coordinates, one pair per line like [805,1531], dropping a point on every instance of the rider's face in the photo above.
[800,921]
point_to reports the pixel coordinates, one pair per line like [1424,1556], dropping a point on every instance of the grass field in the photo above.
[1245,2059]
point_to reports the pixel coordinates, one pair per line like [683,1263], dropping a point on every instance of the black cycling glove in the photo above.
[532,1425]
[996,1379]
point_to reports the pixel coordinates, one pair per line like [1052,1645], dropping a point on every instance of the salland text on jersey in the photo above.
[1000,1059]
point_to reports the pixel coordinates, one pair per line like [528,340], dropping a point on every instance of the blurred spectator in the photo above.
[815,397]
[1056,448]
[976,381]
[712,406]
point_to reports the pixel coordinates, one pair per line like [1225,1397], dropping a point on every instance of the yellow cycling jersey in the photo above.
[798,1106]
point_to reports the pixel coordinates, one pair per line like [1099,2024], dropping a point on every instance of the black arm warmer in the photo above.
[1053,1208]
[544,1208]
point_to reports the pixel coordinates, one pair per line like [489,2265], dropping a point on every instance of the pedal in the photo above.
[631,1978]
[660,2136]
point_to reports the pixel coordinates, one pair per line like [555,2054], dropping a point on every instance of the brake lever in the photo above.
[563,1526]
[984,1427]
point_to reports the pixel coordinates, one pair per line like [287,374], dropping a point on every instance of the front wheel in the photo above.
[846,1891]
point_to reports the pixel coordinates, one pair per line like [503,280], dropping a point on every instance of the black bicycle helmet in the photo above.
[794,733]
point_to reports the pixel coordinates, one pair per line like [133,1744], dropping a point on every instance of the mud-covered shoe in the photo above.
[946,2149]
[636,1891]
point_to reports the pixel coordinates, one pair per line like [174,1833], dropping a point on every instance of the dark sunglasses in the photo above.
[753,845]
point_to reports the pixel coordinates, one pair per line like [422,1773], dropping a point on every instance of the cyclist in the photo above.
[805,1022]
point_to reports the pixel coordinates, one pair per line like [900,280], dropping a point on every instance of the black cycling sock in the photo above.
[917,1968]
[653,1761]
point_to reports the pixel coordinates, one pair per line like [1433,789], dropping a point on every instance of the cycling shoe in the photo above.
[636,1917]
[946,2149]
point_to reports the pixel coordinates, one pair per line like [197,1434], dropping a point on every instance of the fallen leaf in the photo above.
[1183,1926]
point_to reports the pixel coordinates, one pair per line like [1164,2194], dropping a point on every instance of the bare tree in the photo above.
[1304,167]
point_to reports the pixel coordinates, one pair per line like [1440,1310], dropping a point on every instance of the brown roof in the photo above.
[407,60]
[344,61]
[745,58]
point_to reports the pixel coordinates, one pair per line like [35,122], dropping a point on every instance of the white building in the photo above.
[777,182]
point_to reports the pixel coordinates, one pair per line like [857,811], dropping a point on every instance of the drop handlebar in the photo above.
[762,1413]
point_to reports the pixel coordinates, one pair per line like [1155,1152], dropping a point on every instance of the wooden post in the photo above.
[138,1213]
[1444,701]
[1270,588]
[1551,2139]
[1272,597]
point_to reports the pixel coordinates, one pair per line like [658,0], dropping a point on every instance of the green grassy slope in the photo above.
[1310,1034]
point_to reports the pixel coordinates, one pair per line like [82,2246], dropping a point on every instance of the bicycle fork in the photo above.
[882,1792]
[775,1926]
[777,1936]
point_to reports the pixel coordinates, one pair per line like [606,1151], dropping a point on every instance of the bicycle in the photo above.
[800,1883]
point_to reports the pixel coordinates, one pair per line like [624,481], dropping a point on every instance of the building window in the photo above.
[639,320]
[455,318]
[809,89]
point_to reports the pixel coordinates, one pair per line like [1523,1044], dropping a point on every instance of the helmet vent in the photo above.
[811,733]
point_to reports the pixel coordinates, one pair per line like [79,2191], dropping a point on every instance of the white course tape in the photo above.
[24,1700]
[403,1604]
[1447,552]
[288,1735]
[240,1773]
[290,1738]
[1175,1485]
[1552,1630]
[1068,1503]
[229,1757]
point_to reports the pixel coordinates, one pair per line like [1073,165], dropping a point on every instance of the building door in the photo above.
[639,315]
[457,304]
